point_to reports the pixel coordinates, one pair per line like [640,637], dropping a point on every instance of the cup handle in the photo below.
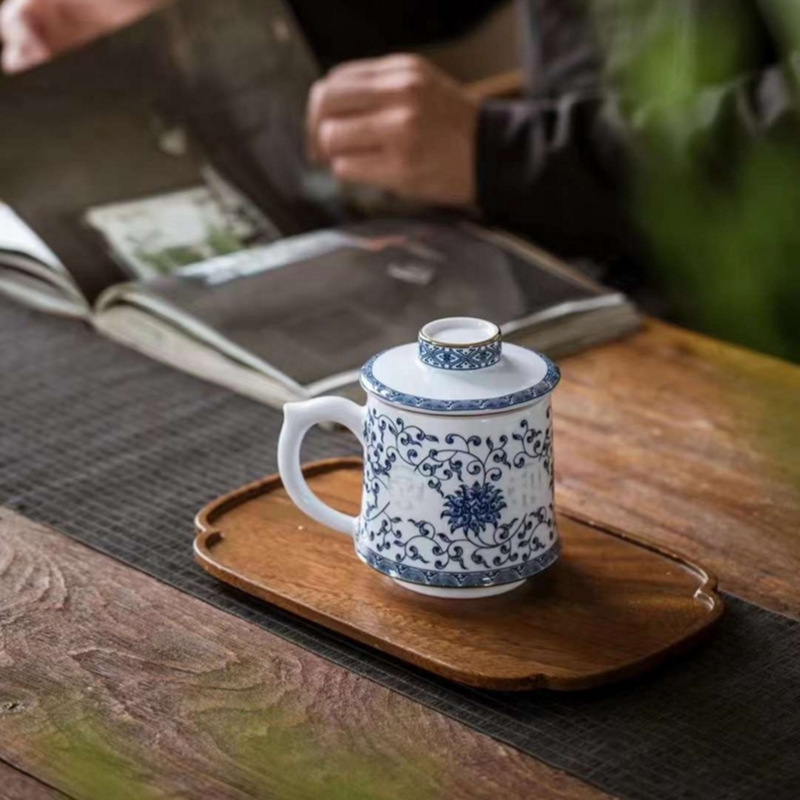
[298,418]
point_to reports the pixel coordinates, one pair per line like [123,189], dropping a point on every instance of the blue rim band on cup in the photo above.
[460,358]
[457,355]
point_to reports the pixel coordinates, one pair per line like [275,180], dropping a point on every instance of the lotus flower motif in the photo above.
[474,508]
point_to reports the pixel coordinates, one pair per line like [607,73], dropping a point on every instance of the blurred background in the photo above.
[688,108]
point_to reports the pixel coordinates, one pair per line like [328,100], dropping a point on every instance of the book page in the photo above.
[15,235]
[159,235]
[320,304]
[31,273]
[141,114]
[244,70]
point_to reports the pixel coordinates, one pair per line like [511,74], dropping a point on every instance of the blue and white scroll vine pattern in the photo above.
[465,472]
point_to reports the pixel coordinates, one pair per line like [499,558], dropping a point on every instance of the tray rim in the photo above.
[208,535]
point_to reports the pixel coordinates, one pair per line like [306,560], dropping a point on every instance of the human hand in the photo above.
[397,123]
[34,31]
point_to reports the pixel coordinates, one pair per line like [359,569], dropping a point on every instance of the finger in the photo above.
[23,46]
[373,169]
[313,119]
[358,94]
[350,97]
[372,66]
[343,135]
[36,30]
[11,10]
[340,98]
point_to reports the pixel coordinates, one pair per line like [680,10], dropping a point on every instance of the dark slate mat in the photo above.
[120,452]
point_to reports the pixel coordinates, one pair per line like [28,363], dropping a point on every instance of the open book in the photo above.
[177,214]
[298,317]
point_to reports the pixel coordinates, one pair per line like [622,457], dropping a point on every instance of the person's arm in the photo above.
[400,124]
[554,170]
[562,170]
[34,31]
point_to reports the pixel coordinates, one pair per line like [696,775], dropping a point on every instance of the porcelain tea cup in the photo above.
[458,461]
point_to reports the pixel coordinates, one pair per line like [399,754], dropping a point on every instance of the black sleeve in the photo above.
[543,169]
[559,170]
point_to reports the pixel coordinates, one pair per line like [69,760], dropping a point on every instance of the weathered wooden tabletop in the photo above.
[113,685]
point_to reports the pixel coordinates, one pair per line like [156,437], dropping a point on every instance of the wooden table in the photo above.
[113,685]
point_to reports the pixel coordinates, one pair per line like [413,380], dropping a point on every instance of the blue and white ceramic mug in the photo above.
[458,461]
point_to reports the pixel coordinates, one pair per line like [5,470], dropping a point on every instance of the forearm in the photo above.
[34,31]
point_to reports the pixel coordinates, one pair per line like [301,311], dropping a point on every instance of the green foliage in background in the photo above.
[720,207]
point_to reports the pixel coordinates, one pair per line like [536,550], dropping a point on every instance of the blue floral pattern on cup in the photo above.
[474,508]
[474,541]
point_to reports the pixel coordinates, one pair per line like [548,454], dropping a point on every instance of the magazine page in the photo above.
[16,236]
[86,129]
[103,150]
[244,71]
[32,273]
[318,305]
[158,235]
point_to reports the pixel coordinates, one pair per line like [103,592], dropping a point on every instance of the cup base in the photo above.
[473,593]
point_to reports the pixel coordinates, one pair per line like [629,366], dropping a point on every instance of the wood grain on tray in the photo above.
[610,608]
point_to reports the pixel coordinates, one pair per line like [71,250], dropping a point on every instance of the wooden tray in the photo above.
[611,607]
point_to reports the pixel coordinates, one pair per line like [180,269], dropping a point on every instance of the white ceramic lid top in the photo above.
[460,365]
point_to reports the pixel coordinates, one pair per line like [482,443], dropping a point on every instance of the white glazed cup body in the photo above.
[450,502]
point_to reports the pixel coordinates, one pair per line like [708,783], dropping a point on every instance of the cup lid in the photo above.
[460,365]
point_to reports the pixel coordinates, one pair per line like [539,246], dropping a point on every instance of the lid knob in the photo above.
[460,343]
